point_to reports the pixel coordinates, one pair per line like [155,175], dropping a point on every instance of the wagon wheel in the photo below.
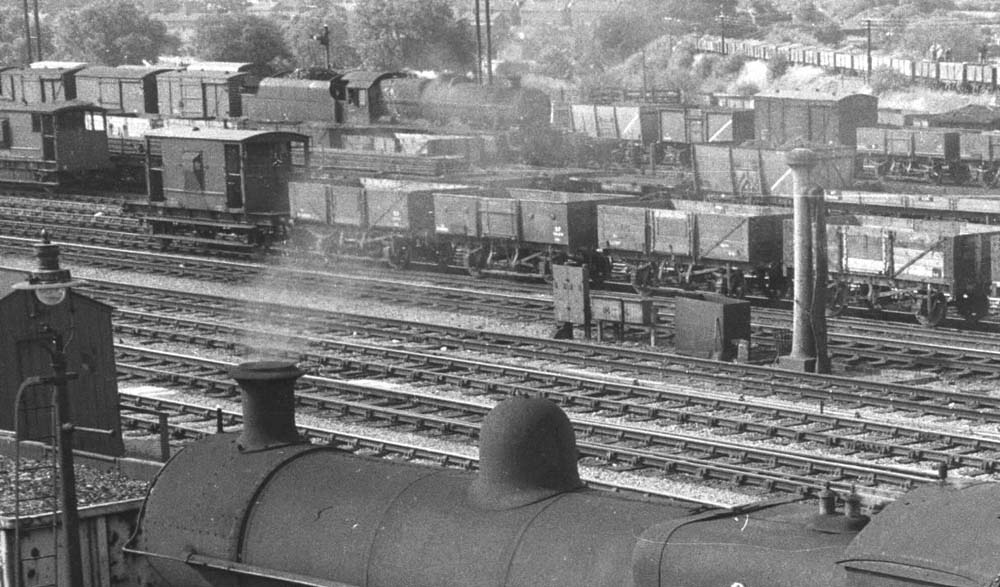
[836,298]
[474,261]
[444,253]
[988,177]
[961,173]
[397,253]
[930,309]
[973,306]
[934,174]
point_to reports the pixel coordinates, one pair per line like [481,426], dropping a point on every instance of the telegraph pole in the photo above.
[868,76]
[27,32]
[722,30]
[489,46]
[38,33]
[479,47]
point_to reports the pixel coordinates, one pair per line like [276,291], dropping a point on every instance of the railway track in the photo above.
[606,443]
[863,345]
[757,417]
[193,420]
[860,344]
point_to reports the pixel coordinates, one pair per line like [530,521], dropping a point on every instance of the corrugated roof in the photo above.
[221,66]
[802,95]
[49,107]
[121,72]
[221,134]
[58,65]
[209,75]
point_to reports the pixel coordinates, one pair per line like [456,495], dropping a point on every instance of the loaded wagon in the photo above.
[919,266]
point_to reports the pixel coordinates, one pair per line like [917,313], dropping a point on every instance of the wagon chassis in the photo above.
[928,302]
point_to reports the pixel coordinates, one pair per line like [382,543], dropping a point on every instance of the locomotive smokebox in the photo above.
[268,390]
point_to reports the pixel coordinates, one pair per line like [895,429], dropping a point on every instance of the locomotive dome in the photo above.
[527,452]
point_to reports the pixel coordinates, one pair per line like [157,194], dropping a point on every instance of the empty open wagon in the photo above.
[729,248]
[918,266]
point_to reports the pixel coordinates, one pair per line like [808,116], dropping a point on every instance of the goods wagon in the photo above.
[527,230]
[622,122]
[749,171]
[48,82]
[120,90]
[921,266]
[201,94]
[784,118]
[979,154]
[504,230]
[392,220]
[728,248]
[906,153]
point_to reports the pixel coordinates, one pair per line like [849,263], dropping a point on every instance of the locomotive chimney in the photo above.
[268,403]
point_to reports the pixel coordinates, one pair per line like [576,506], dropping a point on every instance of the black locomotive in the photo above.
[277,511]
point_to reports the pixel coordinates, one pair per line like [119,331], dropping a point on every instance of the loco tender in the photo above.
[282,512]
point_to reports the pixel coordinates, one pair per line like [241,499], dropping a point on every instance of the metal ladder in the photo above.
[33,409]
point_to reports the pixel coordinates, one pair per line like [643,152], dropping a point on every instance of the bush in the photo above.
[887,80]
[746,89]
[705,65]
[732,64]
[777,65]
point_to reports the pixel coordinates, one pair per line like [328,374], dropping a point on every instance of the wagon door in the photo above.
[234,176]
[48,128]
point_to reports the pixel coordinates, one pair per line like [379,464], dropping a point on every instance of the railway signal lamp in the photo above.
[50,283]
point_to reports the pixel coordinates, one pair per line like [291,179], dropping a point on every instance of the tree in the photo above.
[112,32]
[418,34]
[12,36]
[307,51]
[241,37]
[624,32]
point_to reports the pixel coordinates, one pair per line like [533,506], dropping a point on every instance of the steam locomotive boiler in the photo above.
[263,508]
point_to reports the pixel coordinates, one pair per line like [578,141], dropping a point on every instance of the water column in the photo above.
[808,310]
